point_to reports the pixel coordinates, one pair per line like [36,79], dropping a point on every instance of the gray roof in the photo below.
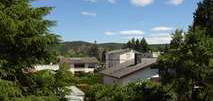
[80,60]
[122,71]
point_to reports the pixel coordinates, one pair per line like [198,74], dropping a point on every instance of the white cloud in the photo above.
[175,2]
[160,38]
[86,13]
[131,32]
[162,28]
[141,3]
[109,33]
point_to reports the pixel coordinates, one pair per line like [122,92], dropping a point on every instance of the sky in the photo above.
[119,20]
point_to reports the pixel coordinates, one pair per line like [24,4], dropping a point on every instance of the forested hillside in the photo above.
[81,46]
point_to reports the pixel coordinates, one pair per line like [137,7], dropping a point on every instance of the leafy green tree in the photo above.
[186,67]
[9,90]
[94,51]
[139,91]
[36,98]
[51,83]
[106,93]
[149,91]
[63,79]
[73,53]
[177,39]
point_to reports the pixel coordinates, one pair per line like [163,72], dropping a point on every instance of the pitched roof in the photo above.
[79,60]
[122,71]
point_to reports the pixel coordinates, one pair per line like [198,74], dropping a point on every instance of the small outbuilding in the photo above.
[81,64]
[75,94]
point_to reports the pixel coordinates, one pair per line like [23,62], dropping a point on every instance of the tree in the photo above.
[187,65]
[203,17]
[73,53]
[177,39]
[25,41]
[94,51]
[103,55]
[138,45]
[139,91]
[144,46]
[148,91]
[8,90]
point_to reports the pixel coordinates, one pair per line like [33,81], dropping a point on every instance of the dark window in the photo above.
[79,65]
[92,66]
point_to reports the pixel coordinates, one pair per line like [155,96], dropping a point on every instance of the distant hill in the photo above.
[82,46]
[111,45]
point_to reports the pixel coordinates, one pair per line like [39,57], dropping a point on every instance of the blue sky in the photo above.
[119,20]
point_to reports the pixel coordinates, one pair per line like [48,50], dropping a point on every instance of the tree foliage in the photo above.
[139,91]
[203,17]
[138,45]
[93,51]
[25,41]
[187,64]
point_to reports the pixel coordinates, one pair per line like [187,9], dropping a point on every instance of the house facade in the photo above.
[126,74]
[123,57]
[84,64]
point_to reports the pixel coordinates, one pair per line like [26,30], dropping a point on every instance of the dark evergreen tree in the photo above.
[203,17]
[25,41]
[138,45]
[187,64]
[144,46]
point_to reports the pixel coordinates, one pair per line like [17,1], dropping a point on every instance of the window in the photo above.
[79,65]
[92,66]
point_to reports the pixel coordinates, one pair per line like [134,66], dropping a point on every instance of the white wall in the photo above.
[46,67]
[83,69]
[156,54]
[86,70]
[129,56]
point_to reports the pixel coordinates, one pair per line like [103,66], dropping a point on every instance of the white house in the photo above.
[84,64]
[123,57]
[75,94]
[127,74]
